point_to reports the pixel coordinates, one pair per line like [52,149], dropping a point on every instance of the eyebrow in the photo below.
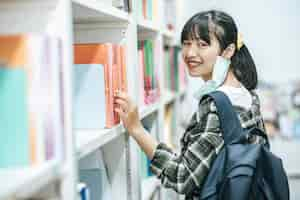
[196,38]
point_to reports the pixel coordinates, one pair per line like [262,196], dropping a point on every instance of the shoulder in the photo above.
[207,114]
[206,105]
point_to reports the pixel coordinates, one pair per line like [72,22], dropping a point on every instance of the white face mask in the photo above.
[218,77]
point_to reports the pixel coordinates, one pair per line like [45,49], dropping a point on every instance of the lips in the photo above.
[193,63]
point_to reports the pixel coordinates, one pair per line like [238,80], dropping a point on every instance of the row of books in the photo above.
[125,5]
[31,100]
[175,74]
[99,72]
[147,9]
[149,84]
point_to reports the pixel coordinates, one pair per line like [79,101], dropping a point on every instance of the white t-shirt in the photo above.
[238,96]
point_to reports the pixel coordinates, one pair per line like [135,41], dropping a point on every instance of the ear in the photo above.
[229,51]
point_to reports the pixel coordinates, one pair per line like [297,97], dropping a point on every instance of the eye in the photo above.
[187,43]
[202,44]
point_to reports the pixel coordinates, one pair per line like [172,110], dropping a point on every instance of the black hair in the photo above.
[222,25]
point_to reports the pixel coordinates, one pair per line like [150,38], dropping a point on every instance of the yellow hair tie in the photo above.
[240,41]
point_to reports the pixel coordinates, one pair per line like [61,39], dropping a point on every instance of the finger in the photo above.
[121,113]
[123,104]
[122,95]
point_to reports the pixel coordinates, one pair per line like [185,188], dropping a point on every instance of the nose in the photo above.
[190,51]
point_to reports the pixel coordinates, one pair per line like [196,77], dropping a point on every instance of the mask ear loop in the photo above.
[220,71]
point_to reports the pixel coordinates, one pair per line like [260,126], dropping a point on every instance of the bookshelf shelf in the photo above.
[145,111]
[168,35]
[169,97]
[149,186]
[86,11]
[19,182]
[88,141]
[147,26]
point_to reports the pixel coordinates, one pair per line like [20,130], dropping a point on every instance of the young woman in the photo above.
[213,51]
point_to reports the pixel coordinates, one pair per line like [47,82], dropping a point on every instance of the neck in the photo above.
[231,80]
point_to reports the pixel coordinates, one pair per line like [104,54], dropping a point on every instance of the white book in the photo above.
[89,96]
[37,54]
[52,117]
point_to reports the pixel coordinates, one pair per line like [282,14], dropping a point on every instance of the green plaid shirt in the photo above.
[200,144]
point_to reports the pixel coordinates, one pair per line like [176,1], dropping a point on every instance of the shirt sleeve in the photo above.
[186,172]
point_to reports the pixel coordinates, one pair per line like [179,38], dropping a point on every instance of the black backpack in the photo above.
[241,170]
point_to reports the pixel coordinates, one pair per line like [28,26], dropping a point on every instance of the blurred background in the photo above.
[271,31]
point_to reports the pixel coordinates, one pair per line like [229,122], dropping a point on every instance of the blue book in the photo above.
[93,179]
[83,191]
[89,96]
[14,126]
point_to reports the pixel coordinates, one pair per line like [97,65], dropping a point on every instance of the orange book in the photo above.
[145,9]
[123,70]
[116,76]
[99,54]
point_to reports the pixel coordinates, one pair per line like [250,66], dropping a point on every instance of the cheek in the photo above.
[183,55]
[210,57]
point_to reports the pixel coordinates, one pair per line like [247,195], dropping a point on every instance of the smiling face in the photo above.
[200,56]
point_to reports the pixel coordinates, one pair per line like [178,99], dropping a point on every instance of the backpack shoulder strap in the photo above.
[230,124]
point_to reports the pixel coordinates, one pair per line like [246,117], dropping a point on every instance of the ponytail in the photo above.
[244,68]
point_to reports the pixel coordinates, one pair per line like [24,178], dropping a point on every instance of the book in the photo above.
[52,123]
[110,56]
[147,62]
[83,191]
[175,74]
[88,94]
[30,114]
[141,77]
[124,82]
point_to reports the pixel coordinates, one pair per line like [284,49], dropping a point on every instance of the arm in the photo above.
[128,112]
[147,143]
[186,171]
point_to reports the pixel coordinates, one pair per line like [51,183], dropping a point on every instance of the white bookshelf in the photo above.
[82,21]
[87,141]
[19,183]
[85,11]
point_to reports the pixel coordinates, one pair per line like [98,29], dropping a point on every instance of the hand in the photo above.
[128,112]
